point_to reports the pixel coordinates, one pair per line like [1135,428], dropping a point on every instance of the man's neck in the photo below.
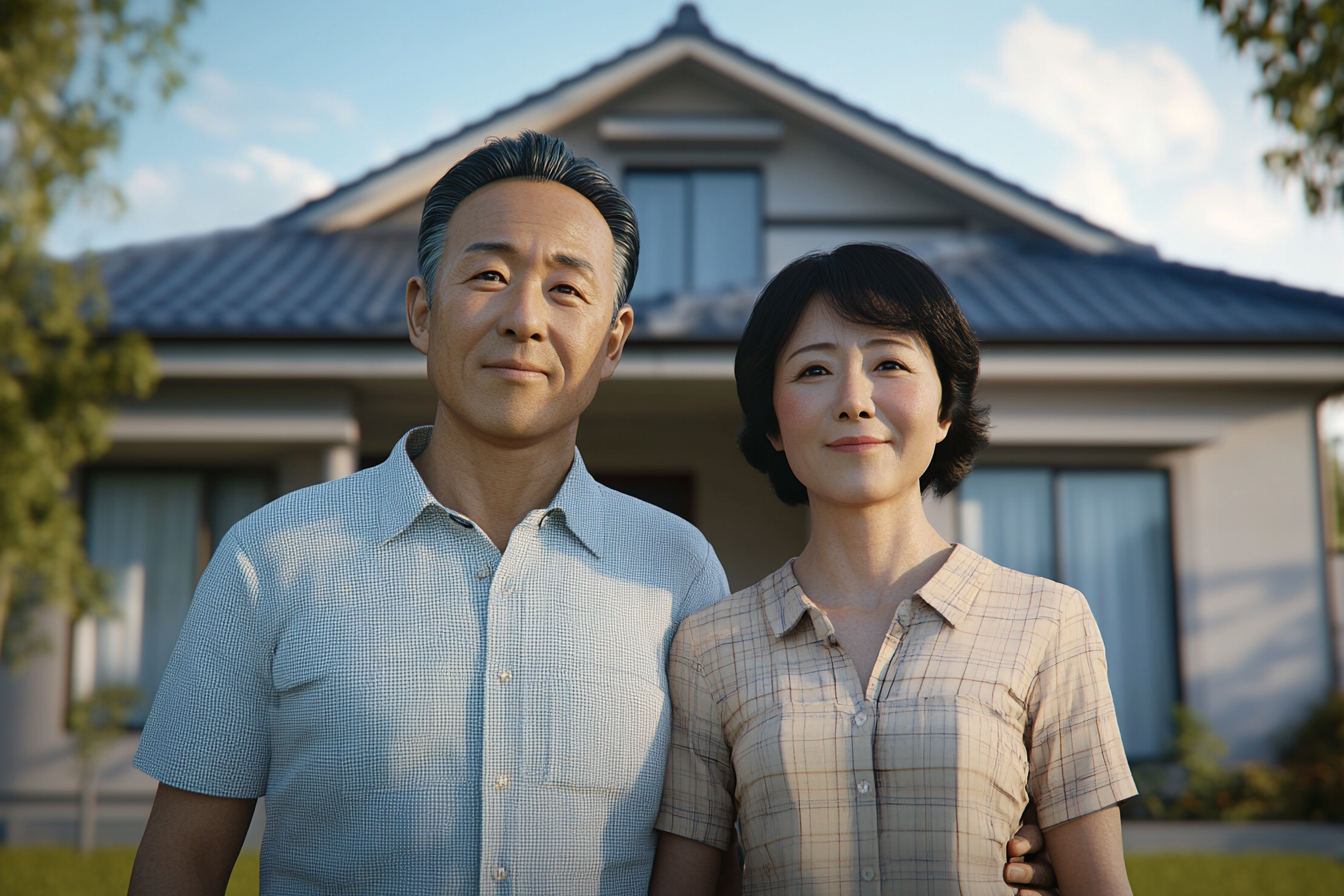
[495,484]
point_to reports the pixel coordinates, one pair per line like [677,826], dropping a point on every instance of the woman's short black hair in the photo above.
[874,285]
[537,157]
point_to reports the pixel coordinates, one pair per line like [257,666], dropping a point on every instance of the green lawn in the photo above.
[52,871]
[1253,875]
[57,871]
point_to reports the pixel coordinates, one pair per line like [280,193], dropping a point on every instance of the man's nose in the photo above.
[523,317]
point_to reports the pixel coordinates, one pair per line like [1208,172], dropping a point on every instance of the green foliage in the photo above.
[1299,46]
[1314,764]
[1240,875]
[1307,785]
[58,871]
[69,72]
[101,717]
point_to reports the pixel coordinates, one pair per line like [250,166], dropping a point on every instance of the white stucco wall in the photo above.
[1250,571]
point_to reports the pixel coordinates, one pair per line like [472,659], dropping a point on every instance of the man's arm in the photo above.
[190,844]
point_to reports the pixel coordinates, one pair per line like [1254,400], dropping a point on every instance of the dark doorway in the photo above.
[673,492]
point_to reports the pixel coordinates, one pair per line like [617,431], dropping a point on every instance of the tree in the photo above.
[70,71]
[1299,46]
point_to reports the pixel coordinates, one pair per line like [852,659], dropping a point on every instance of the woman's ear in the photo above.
[775,441]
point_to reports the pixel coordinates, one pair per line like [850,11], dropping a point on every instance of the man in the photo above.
[446,673]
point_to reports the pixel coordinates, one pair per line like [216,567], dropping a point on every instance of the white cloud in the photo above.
[1140,105]
[151,188]
[221,107]
[297,177]
[1148,152]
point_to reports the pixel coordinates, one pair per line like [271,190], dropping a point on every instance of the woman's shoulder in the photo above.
[1004,590]
[743,615]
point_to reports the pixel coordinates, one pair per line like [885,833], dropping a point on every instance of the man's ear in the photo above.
[417,313]
[616,337]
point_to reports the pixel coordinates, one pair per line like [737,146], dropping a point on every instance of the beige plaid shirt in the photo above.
[990,687]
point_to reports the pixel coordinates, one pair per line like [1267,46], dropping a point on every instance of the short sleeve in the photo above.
[699,784]
[208,730]
[1078,763]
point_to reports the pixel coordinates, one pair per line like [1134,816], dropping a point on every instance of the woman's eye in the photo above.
[891,365]
[814,370]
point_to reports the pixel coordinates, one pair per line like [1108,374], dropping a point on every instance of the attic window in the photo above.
[700,231]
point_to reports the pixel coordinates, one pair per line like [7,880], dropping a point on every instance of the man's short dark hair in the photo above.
[537,157]
[874,285]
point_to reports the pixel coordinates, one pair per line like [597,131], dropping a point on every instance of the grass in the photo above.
[61,871]
[56,871]
[1271,874]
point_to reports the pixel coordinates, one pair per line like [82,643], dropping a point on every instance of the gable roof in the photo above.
[273,282]
[410,177]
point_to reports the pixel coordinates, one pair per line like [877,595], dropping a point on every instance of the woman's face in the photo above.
[857,409]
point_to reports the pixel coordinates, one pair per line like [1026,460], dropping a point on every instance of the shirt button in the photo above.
[505,676]
[864,787]
[501,872]
[868,874]
[860,718]
[483,572]
[501,782]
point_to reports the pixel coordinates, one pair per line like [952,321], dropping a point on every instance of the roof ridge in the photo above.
[688,23]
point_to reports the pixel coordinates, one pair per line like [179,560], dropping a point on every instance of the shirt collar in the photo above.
[579,504]
[950,591]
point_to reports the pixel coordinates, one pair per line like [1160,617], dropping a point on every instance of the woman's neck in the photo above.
[870,557]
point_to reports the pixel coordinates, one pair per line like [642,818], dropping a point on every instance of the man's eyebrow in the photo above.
[489,247]
[574,262]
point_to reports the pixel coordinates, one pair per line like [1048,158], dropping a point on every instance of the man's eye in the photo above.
[492,276]
[566,289]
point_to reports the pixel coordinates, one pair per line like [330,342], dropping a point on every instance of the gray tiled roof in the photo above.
[280,282]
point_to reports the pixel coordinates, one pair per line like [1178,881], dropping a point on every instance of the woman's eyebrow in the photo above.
[807,348]
[889,340]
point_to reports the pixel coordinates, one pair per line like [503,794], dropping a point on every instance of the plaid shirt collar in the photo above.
[951,591]
[579,505]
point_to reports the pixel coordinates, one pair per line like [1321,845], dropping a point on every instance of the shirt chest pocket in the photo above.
[602,727]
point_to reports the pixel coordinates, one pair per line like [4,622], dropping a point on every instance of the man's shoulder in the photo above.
[634,521]
[341,509]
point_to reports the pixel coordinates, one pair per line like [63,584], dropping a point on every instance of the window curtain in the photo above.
[143,529]
[725,230]
[662,205]
[1008,515]
[1115,547]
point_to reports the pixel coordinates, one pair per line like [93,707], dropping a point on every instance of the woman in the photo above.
[875,715]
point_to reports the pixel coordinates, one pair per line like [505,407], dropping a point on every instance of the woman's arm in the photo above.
[1088,855]
[684,866]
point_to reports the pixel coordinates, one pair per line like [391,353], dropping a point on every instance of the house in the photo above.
[1154,425]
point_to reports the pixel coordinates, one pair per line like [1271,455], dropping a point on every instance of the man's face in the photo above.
[520,332]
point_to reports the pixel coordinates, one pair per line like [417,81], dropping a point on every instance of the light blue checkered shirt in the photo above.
[422,714]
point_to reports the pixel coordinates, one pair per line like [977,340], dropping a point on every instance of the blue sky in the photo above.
[1134,114]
